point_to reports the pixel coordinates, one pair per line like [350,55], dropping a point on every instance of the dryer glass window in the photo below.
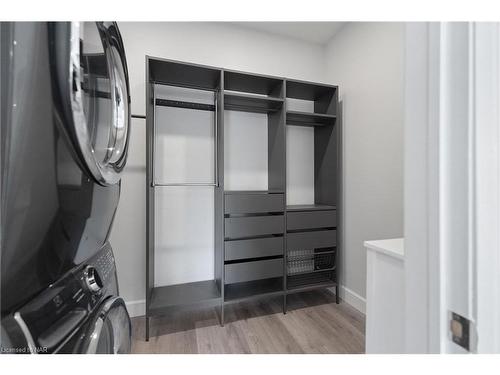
[105,124]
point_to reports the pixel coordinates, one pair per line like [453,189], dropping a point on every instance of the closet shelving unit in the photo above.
[254,221]
[205,293]
[257,237]
[311,236]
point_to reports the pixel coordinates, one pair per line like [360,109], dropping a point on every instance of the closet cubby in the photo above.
[182,101]
[311,238]
[254,220]
[262,246]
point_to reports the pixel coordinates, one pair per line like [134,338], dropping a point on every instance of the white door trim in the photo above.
[452,183]
[422,116]
[487,185]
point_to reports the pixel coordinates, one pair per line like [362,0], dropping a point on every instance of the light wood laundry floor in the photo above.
[313,324]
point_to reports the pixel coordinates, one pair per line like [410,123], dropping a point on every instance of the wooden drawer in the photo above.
[311,240]
[311,220]
[257,270]
[238,227]
[255,248]
[253,203]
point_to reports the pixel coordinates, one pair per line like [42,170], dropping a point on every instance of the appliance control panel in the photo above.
[57,311]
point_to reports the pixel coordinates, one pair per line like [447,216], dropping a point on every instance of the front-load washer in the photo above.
[80,313]
[65,116]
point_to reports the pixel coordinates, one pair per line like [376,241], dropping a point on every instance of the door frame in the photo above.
[441,275]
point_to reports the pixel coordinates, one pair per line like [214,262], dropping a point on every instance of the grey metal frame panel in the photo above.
[219,192]
[241,227]
[253,203]
[150,197]
[311,220]
[253,248]
[256,270]
[276,150]
[325,165]
[311,240]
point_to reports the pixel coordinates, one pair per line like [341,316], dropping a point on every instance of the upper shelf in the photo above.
[251,103]
[182,74]
[309,90]
[309,119]
[253,83]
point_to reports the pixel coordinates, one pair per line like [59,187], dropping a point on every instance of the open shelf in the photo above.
[312,271]
[251,103]
[310,207]
[175,73]
[182,295]
[253,83]
[308,280]
[309,118]
[305,288]
[253,191]
[253,289]
[308,90]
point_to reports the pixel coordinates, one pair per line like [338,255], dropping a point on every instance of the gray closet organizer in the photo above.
[262,246]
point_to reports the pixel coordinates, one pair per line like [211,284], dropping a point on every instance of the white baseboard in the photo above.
[352,298]
[138,308]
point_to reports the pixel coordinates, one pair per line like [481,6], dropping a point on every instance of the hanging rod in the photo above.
[185,86]
[188,105]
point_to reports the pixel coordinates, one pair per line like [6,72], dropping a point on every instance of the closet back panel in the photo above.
[299,165]
[184,231]
[185,147]
[245,151]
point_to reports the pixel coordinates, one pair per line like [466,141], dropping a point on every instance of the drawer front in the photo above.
[311,220]
[249,271]
[311,240]
[256,248]
[253,203]
[238,227]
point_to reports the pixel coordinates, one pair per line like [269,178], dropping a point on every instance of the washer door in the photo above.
[91,94]
[110,332]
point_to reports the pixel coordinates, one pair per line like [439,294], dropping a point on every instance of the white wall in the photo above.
[217,44]
[366,60]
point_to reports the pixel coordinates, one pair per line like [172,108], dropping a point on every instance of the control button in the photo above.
[92,279]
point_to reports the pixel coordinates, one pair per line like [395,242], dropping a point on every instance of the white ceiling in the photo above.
[313,32]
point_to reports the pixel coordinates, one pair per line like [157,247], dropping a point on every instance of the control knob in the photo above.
[92,279]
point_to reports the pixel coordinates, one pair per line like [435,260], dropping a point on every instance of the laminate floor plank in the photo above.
[314,323]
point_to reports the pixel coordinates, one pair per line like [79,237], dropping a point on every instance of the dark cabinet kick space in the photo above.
[262,247]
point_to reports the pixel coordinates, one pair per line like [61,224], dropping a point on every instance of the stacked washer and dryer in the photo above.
[65,115]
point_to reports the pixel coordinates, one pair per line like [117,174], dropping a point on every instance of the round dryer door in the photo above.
[110,332]
[91,93]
